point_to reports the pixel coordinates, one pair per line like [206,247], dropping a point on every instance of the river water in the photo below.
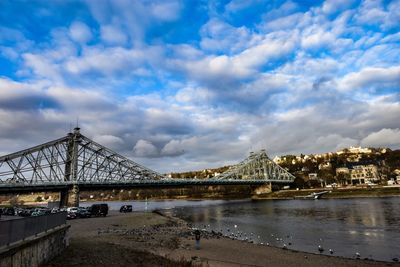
[368,226]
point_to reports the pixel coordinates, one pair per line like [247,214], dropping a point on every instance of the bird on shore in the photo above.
[358,256]
[284,246]
[320,249]
[331,251]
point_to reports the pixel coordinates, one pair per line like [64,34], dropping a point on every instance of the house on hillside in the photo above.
[364,174]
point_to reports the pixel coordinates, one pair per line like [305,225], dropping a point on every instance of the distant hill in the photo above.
[324,165]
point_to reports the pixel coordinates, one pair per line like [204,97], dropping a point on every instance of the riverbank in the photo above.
[150,239]
[201,193]
[345,192]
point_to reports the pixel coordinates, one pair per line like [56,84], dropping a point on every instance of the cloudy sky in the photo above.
[184,85]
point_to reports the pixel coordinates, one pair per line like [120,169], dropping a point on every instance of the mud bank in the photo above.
[152,239]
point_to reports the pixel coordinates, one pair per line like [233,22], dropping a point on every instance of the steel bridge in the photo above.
[75,162]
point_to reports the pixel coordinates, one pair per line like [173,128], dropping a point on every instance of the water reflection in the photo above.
[370,227]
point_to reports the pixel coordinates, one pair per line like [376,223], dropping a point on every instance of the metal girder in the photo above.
[258,166]
[71,159]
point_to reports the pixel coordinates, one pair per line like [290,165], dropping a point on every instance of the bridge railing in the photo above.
[15,230]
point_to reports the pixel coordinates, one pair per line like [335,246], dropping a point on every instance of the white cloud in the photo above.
[109,141]
[333,6]
[316,38]
[230,69]
[113,60]
[165,10]
[194,95]
[383,138]
[237,5]
[372,77]
[42,66]
[91,101]
[113,35]
[80,32]
[144,148]
[218,35]
[335,141]
[173,148]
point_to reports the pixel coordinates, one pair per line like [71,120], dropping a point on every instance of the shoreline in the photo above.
[158,239]
[337,193]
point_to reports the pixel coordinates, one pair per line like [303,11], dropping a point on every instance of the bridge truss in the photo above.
[258,166]
[71,159]
[78,160]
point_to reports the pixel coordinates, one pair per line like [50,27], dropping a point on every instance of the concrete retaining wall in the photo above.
[35,251]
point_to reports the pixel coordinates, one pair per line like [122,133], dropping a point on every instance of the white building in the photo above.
[362,174]
[356,150]
[360,150]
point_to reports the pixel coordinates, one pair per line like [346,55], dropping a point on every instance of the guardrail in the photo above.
[19,229]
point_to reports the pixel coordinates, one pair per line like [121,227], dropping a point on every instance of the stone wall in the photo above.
[35,251]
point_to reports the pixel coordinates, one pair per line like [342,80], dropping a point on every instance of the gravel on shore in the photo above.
[152,239]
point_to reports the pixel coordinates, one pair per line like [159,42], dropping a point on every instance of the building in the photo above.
[355,150]
[362,174]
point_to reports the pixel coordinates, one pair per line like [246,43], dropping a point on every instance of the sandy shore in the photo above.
[149,239]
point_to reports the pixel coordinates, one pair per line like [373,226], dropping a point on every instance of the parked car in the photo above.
[83,213]
[26,212]
[99,210]
[55,210]
[10,211]
[73,209]
[38,212]
[126,208]
[71,215]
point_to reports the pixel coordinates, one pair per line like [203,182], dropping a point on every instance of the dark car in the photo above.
[26,212]
[83,213]
[126,208]
[10,211]
[71,215]
[99,210]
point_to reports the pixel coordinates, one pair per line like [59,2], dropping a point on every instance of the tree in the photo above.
[299,182]
[343,177]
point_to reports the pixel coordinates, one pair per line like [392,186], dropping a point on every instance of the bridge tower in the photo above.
[70,196]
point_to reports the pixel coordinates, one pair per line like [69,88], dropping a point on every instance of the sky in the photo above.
[187,85]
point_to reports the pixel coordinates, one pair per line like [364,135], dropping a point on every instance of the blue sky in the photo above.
[183,85]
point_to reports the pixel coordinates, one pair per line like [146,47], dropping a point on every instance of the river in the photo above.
[368,226]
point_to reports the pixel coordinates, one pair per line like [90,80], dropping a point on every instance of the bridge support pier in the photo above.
[70,197]
[264,189]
